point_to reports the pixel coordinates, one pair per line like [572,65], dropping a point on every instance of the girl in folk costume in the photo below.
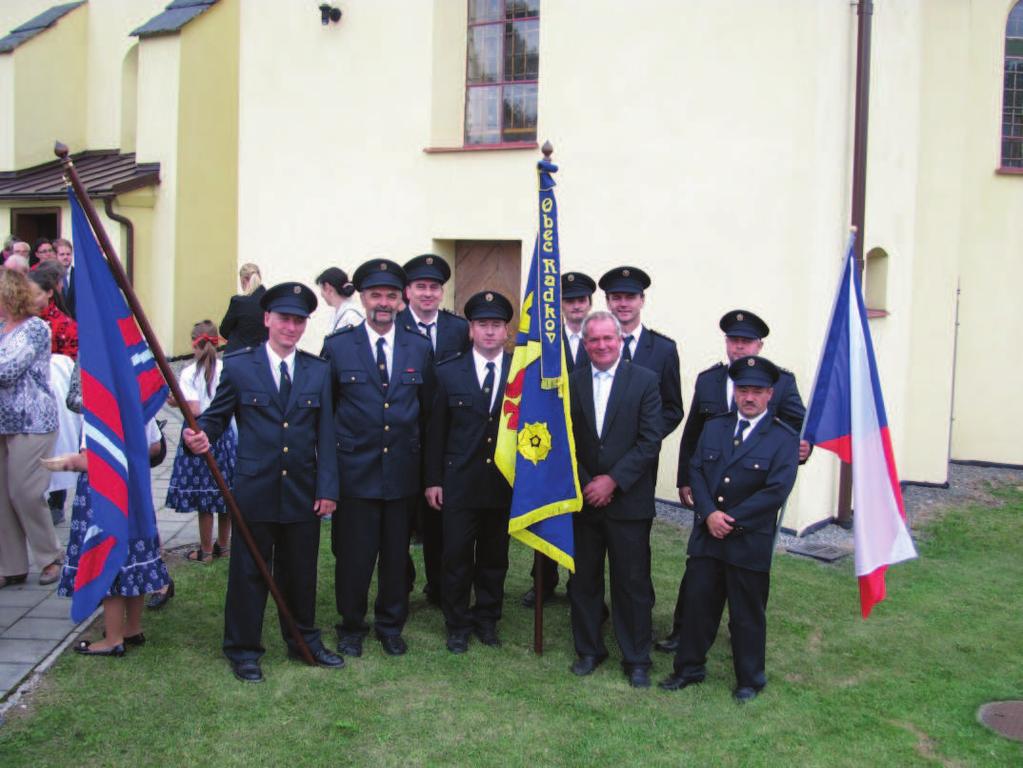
[191,484]
[336,290]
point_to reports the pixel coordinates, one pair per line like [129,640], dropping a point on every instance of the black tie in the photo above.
[428,330]
[626,354]
[488,384]
[382,362]
[285,388]
[743,426]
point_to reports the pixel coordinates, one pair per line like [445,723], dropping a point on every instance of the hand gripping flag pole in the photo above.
[114,263]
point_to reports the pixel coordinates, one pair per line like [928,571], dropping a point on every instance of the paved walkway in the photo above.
[34,623]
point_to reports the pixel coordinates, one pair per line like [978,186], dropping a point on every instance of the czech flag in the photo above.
[122,389]
[847,416]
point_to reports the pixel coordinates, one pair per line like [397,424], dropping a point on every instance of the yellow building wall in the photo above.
[206,199]
[50,90]
[989,248]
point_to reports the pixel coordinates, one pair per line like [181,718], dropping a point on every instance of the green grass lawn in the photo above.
[900,689]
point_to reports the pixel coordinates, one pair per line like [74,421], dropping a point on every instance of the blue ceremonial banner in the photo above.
[535,448]
[122,389]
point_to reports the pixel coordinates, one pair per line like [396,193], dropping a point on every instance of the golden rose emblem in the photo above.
[535,441]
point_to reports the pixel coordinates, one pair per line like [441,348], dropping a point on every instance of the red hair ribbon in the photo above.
[214,340]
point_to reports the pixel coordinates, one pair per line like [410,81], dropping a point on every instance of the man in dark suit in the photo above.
[625,291]
[742,471]
[449,336]
[382,376]
[462,481]
[744,335]
[65,255]
[616,421]
[286,476]
[576,302]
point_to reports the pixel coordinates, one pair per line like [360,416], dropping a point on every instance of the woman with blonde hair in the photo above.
[242,325]
[28,429]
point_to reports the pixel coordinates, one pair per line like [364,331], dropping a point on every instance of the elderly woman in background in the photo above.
[49,305]
[336,289]
[28,429]
[242,325]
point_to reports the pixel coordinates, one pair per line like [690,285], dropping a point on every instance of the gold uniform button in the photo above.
[387,427]
[728,479]
[387,405]
[489,461]
[285,425]
[490,439]
[284,473]
[285,449]
[756,466]
[721,498]
[385,450]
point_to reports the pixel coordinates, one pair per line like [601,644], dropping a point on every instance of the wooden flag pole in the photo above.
[237,520]
[538,602]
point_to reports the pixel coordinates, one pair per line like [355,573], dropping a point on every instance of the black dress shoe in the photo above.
[158,600]
[668,644]
[247,670]
[139,639]
[584,665]
[676,682]
[393,645]
[321,656]
[745,693]
[458,642]
[488,636]
[84,647]
[638,677]
[350,645]
[529,599]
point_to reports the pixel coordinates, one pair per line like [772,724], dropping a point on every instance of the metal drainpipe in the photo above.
[129,251]
[861,122]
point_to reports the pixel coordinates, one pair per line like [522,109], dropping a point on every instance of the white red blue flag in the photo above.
[122,389]
[847,416]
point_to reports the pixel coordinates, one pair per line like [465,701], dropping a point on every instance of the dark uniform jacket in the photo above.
[658,353]
[750,482]
[581,358]
[242,325]
[377,429]
[461,437]
[627,448]
[452,332]
[709,400]
[285,452]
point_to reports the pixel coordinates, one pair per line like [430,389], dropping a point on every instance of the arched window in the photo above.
[1012,91]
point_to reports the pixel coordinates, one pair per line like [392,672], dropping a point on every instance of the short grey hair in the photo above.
[601,314]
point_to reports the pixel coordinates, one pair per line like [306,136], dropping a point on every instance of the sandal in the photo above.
[199,555]
[83,648]
[50,573]
[6,581]
[219,551]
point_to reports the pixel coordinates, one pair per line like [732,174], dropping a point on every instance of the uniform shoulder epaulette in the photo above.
[339,331]
[446,360]
[787,427]
[720,415]
[238,352]
[663,336]
[453,314]
[712,368]
[312,356]
[784,370]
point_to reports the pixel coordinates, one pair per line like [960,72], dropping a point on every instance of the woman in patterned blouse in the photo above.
[49,305]
[28,429]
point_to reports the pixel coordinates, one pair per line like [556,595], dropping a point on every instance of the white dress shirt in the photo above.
[388,345]
[729,393]
[481,372]
[636,333]
[275,365]
[574,339]
[432,332]
[602,383]
[752,424]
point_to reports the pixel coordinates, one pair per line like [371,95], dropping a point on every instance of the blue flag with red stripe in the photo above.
[122,389]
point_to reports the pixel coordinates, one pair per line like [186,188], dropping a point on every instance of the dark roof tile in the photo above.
[173,18]
[104,173]
[35,25]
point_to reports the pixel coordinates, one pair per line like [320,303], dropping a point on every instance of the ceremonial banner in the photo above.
[847,416]
[122,389]
[535,448]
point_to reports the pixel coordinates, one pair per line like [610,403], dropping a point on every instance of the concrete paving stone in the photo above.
[52,607]
[24,651]
[11,675]
[12,596]
[31,585]
[39,629]
[11,613]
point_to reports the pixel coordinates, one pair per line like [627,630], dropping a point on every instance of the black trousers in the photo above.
[363,531]
[290,550]
[549,571]
[475,558]
[627,546]
[430,527]
[676,621]
[709,583]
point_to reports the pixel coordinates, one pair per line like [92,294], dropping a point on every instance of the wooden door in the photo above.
[489,265]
